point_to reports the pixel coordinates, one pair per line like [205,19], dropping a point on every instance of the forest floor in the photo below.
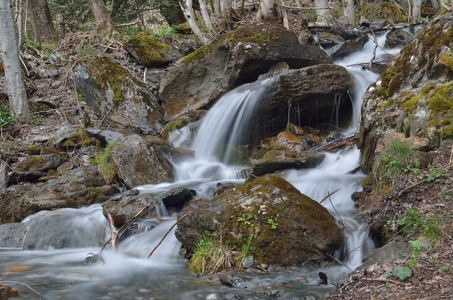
[429,192]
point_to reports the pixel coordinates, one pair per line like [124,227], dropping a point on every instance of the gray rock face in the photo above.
[125,208]
[113,92]
[233,59]
[75,188]
[398,38]
[304,232]
[309,94]
[138,162]
[413,96]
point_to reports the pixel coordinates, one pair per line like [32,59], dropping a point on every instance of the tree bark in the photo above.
[188,14]
[323,12]
[101,16]
[416,9]
[42,22]
[349,12]
[17,95]
[21,9]
[266,10]
[205,14]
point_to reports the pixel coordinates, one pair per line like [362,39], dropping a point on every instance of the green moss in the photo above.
[34,162]
[447,59]
[411,104]
[175,124]
[440,100]
[149,50]
[105,164]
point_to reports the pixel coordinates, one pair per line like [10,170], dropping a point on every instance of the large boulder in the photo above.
[414,95]
[139,162]
[75,188]
[233,59]
[308,96]
[115,93]
[288,228]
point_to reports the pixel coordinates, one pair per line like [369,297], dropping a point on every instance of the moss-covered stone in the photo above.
[148,50]
[287,228]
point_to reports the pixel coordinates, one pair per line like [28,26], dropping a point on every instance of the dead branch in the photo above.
[374,50]
[328,195]
[23,284]
[171,228]
[113,232]
[338,261]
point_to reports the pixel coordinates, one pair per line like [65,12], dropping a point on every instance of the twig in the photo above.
[113,232]
[451,154]
[166,235]
[409,187]
[328,195]
[383,280]
[338,261]
[26,285]
[338,215]
[374,50]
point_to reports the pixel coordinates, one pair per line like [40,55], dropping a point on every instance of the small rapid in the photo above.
[127,274]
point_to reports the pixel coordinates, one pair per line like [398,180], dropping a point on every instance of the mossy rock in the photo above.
[148,50]
[288,227]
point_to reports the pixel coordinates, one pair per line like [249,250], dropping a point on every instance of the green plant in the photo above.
[35,119]
[210,257]
[398,158]
[272,223]
[6,119]
[105,164]
[434,173]
[402,272]
[416,247]
[245,218]
[428,227]
[443,268]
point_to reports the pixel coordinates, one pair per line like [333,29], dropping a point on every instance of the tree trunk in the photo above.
[223,6]
[21,8]
[416,9]
[101,16]
[298,3]
[205,14]
[42,22]
[17,95]
[266,10]
[349,12]
[323,12]
[188,13]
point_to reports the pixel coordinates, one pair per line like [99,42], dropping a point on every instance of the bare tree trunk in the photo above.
[188,14]
[42,22]
[224,5]
[349,12]
[101,16]
[435,4]
[298,3]
[17,95]
[205,14]
[416,9]
[266,10]
[323,12]
[21,8]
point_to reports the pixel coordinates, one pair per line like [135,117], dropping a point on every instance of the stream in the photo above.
[127,274]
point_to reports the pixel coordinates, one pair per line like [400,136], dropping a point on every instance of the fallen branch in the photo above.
[374,50]
[171,228]
[328,195]
[26,285]
[113,232]
[338,261]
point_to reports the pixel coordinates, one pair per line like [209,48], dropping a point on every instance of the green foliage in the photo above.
[88,49]
[6,119]
[35,119]
[272,223]
[245,218]
[105,164]
[397,159]
[428,227]
[402,272]
[210,257]
[434,173]
[167,32]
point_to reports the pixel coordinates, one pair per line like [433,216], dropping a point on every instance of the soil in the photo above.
[432,274]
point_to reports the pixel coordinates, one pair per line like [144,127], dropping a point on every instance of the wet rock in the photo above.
[7,292]
[148,50]
[12,235]
[398,38]
[379,24]
[275,160]
[117,95]
[233,281]
[347,47]
[346,32]
[75,188]
[125,208]
[304,231]
[138,162]
[176,198]
[309,94]
[230,60]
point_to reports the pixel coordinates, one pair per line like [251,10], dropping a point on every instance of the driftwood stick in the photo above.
[171,228]
[113,232]
[328,195]
[26,285]
[374,50]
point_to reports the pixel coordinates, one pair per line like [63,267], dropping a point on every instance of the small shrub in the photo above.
[6,119]
[397,159]
[105,164]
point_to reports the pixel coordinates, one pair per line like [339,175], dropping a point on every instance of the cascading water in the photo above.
[127,274]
